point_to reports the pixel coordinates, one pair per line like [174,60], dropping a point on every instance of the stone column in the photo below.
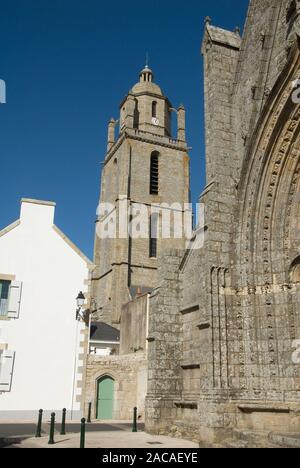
[111,134]
[130,107]
[181,124]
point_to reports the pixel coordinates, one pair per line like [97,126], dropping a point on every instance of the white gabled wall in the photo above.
[44,336]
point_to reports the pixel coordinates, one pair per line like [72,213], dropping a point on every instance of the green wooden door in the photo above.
[105,403]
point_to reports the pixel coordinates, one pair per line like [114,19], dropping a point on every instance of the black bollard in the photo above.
[134,427]
[63,422]
[52,429]
[82,434]
[89,420]
[38,433]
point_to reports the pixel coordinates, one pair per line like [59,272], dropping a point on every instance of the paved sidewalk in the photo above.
[108,434]
[27,429]
[109,440]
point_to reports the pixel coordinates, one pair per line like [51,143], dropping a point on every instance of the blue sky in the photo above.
[67,65]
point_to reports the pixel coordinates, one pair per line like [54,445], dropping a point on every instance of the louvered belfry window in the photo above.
[154,174]
[154,109]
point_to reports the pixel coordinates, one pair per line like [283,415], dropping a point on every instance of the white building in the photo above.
[41,354]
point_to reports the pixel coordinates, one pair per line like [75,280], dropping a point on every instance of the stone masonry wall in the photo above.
[134,325]
[165,348]
[130,375]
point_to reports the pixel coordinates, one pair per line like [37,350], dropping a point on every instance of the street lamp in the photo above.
[80,316]
[80,302]
[80,299]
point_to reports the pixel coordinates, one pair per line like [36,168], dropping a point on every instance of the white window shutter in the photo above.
[14,303]
[6,370]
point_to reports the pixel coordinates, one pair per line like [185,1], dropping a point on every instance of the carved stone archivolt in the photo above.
[293,20]
[269,204]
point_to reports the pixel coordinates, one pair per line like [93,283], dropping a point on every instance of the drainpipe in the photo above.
[74,371]
[147,321]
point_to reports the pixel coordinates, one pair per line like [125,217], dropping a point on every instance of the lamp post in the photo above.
[80,302]
[80,316]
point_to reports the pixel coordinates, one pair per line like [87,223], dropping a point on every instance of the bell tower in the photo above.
[145,166]
[146,107]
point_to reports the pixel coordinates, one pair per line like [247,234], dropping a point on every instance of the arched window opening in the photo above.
[154,109]
[153,235]
[295,271]
[154,174]
[136,117]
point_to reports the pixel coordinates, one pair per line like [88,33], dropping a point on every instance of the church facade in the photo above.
[220,323]
[223,359]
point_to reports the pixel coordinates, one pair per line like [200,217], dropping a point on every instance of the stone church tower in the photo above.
[145,165]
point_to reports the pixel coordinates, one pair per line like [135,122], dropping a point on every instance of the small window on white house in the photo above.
[7,360]
[4,296]
[10,298]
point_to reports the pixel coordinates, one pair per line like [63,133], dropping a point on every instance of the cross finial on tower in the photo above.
[147,59]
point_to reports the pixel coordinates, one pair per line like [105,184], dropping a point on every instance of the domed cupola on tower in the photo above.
[146,75]
[146,108]
[146,83]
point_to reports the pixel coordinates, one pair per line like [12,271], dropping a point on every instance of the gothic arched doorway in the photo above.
[105,398]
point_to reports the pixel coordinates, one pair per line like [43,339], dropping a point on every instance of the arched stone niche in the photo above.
[295,271]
